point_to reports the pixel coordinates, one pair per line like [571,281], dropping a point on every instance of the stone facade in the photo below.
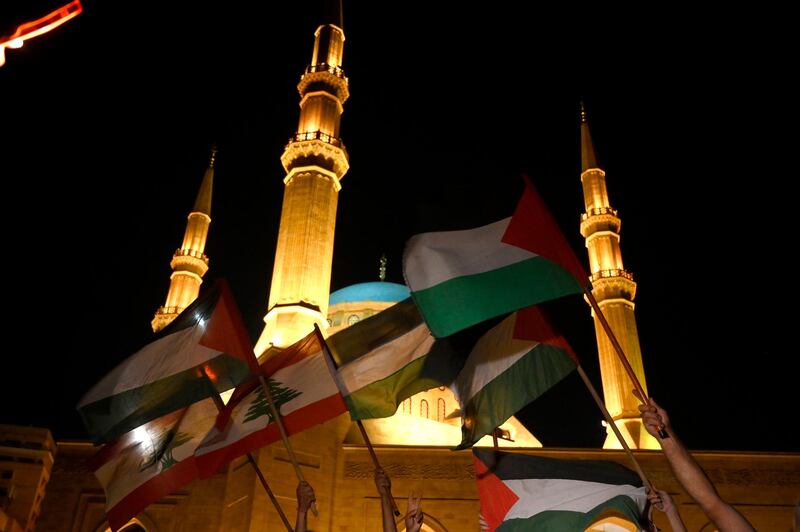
[765,487]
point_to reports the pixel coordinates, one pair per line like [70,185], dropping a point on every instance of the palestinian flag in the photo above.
[204,351]
[520,492]
[459,278]
[510,366]
[304,393]
[387,358]
[151,461]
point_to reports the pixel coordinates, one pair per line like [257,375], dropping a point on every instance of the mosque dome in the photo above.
[373,291]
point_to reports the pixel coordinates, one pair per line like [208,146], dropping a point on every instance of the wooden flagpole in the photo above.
[219,404]
[614,427]
[284,436]
[618,348]
[332,366]
[375,460]
[275,503]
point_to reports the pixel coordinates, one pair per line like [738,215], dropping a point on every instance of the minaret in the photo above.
[189,263]
[614,289]
[315,161]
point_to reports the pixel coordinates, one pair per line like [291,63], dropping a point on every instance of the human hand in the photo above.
[661,500]
[414,513]
[383,483]
[305,496]
[654,417]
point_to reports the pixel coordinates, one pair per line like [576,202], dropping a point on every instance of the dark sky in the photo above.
[106,125]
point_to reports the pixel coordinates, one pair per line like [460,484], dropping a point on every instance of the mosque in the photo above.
[413,445]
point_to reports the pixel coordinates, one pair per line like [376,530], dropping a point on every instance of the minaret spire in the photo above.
[614,289]
[315,161]
[189,263]
[203,202]
[588,157]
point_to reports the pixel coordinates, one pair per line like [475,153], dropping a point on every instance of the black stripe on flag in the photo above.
[512,466]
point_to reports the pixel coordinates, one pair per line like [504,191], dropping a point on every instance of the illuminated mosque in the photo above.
[414,444]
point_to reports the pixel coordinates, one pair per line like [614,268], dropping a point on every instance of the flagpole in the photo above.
[263,480]
[614,427]
[332,367]
[618,348]
[375,461]
[284,436]
[219,404]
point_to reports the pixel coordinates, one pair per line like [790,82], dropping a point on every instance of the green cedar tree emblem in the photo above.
[260,406]
[162,450]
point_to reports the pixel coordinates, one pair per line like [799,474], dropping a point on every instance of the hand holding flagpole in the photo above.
[332,366]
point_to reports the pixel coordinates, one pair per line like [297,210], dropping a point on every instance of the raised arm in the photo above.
[384,485]
[689,473]
[305,497]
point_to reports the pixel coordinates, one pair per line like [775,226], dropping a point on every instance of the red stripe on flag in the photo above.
[532,227]
[495,497]
[295,422]
[305,347]
[153,489]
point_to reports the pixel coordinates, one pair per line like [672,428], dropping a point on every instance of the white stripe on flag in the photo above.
[386,360]
[538,495]
[150,365]
[432,258]
[310,376]
[494,353]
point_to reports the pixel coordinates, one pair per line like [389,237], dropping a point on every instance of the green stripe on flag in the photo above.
[112,416]
[506,394]
[367,335]
[380,399]
[463,301]
[569,521]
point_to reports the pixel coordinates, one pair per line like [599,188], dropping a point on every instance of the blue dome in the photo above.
[376,291]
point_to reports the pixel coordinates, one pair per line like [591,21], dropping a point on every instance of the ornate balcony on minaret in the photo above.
[315,161]
[189,262]
[614,288]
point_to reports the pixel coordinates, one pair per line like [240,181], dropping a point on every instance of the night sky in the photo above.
[106,126]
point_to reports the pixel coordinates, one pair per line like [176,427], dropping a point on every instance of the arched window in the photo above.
[423,408]
[407,406]
[353,318]
[440,410]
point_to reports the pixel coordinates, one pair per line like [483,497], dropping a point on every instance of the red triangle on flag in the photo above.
[224,330]
[496,498]
[533,228]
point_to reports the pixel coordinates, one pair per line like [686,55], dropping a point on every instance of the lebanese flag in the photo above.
[151,461]
[524,492]
[303,390]
[205,351]
[460,278]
